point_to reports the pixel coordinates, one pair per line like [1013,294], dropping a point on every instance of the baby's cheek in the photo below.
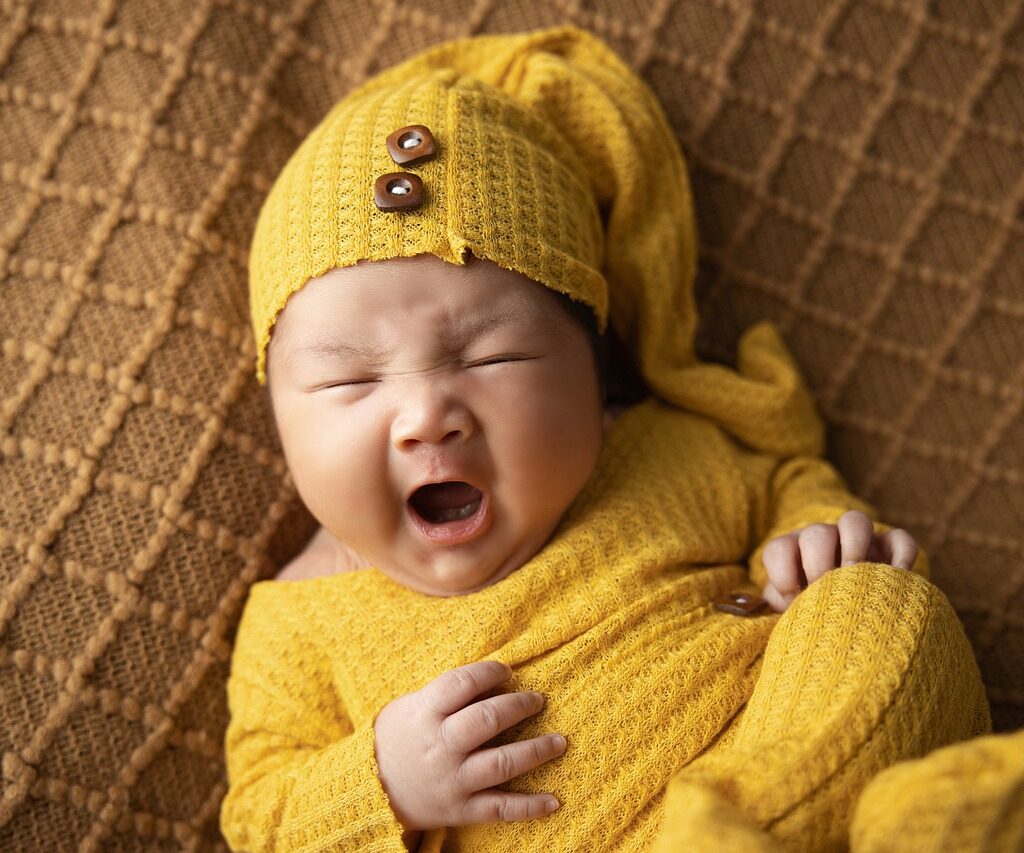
[546,461]
[334,463]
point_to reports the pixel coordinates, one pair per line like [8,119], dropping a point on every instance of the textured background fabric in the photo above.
[858,171]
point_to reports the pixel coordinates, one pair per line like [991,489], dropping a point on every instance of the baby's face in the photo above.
[388,376]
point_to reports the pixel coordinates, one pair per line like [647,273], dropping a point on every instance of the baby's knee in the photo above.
[895,615]
[897,607]
[870,593]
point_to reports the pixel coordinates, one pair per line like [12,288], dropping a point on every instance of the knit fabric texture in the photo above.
[969,796]
[856,170]
[612,622]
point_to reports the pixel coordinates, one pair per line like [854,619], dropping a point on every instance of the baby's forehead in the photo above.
[448,297]
[450,331]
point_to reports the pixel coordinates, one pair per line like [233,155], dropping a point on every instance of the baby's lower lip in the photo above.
[455,532]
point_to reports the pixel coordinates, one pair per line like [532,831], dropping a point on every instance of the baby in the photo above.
[491,517]
[439,420]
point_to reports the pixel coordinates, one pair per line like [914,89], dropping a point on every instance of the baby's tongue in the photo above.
[440,503]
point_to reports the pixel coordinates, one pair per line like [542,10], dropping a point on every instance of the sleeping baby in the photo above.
[537,616]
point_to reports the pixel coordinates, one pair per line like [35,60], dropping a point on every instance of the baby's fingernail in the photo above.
[551,805]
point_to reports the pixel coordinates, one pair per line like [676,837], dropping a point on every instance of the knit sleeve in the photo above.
[804,490]
[300,777]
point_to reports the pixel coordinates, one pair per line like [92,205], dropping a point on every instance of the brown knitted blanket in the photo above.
[858,169]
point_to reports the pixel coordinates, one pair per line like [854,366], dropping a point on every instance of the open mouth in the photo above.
[442,502]
[448,512]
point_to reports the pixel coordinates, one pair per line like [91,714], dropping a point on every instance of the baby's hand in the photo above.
[427,755]
[799,558]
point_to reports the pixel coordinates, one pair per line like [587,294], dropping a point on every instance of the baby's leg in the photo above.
[868,666]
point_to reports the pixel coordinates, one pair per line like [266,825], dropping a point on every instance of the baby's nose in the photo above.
[431,419]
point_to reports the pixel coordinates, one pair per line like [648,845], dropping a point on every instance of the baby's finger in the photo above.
[494,806]
[454,689]
[478,722]
[901,547]
[781,558]
[486,768]
[819,544]
[855,532]
[776,600]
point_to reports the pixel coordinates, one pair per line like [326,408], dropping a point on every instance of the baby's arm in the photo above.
[807,492]
[299,775]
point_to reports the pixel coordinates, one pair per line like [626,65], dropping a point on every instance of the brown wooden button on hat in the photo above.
[413,143]
[398,191]
[740,603]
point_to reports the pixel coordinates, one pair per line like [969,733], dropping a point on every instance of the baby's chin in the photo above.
[446,579]
[463,569]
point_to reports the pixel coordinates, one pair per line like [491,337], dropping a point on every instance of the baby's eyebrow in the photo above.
[338,349]
[458,334]
[463,331]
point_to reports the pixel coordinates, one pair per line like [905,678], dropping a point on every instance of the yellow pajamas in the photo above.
[686,726]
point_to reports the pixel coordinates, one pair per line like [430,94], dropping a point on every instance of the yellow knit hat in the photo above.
[554,159]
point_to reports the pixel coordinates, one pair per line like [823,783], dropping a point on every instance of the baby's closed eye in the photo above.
[498,359]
